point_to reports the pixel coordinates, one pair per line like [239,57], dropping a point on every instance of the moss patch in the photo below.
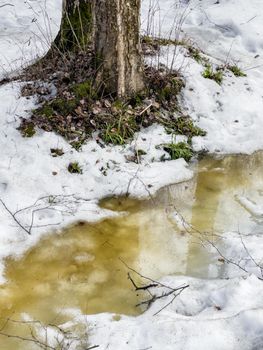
[27,128]
[84,90]
[76,28]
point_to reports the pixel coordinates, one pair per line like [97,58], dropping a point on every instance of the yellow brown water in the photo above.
[81,268]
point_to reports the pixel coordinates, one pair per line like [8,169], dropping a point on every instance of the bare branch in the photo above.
[14,217]
[171,291]
[39,343]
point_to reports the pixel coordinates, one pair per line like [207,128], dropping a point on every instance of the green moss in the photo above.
[27,130]
[217,75]
[179,150]
[74,168]
[84,90]
[63,106]
[236,71]
[46,110]
[118,104]
[57,106]
[76,28]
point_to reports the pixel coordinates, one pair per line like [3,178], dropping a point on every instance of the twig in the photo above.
[6,5]
[14,217]
[175,291]
[190,229]
[171,301]
[152,285]
[145,109]
[147,278]
[43,345]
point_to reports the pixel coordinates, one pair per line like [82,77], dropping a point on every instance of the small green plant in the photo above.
[60,106]
[209,73]
[77,144]
[63,106]
[120,131]
[195,54]
[27,130]
[112,135]
[140,152]
[236,71]
[182,126]
[74,168]
[179,150]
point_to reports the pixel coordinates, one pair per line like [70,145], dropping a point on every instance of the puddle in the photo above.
[81,269]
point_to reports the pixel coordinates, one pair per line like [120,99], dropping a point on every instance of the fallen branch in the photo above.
[154,284]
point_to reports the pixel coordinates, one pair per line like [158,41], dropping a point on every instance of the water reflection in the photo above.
[81,268]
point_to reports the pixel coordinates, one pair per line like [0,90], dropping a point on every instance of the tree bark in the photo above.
[114,27]
[117,46]
[76,26]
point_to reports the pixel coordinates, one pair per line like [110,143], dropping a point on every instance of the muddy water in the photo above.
[82,269]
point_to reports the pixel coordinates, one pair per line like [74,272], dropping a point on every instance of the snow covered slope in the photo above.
[230,32]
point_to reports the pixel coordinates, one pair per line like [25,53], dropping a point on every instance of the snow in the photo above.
[26,31]
[205,317]
[231,113]
[210,314]
[229,33]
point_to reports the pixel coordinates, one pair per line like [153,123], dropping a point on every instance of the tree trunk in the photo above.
[76,26]
[117,46]
[114,25]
